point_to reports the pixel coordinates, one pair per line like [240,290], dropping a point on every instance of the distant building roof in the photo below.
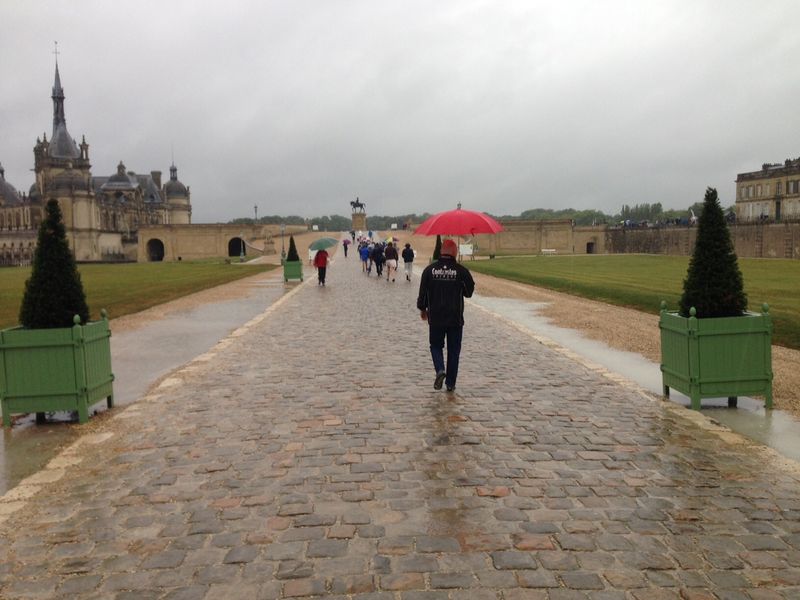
[8,194]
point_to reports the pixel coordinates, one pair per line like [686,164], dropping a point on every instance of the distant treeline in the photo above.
[640,213]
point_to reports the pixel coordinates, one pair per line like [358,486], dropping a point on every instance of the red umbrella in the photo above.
[459,222]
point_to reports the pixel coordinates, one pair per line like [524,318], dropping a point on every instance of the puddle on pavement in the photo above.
[139,357]
[776,428]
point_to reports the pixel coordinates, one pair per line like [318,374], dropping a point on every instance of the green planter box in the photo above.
[44,370]
[292,269]
[717,358]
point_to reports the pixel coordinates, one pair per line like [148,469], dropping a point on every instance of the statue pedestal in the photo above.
[359,222]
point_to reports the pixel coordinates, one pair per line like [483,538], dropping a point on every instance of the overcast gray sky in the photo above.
[300,106]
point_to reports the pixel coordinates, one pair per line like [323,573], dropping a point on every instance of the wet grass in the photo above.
[128,288]
[642,281]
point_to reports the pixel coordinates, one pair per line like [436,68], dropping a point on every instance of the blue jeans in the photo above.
[436,337]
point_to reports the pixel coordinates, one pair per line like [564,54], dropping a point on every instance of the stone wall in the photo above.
[751,240]
[198,241]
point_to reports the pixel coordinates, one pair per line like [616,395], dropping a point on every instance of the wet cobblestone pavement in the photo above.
[308,455]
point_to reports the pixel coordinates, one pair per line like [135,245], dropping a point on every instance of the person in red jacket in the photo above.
[321,262]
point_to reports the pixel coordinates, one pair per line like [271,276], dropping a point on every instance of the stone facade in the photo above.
[102,215]
[192,242]
[544,237]
[773,193]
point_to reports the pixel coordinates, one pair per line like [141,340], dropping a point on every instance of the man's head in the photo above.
[449,248]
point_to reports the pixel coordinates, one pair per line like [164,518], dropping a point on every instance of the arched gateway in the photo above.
[155,250]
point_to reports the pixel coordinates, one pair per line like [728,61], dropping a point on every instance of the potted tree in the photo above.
[437,249]
[292,266]
[712,346]
[56,359]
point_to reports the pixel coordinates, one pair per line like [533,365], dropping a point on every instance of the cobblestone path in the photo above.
[308,455]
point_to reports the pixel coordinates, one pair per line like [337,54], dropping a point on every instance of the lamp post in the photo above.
[241,246]
[283,251]
[255,208]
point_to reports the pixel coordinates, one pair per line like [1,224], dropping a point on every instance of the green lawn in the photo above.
[127,288]
[642,281]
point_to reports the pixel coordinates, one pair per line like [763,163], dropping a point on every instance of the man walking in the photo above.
[442,289]
[408,260]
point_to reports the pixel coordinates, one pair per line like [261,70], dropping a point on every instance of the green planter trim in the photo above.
[717,358]
[293,269]
[44,370]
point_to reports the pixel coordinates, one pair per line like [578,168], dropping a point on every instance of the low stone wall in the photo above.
[199,241]
[751,240]
[543,237]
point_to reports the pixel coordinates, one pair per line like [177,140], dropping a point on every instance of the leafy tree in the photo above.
[292,255]
[438,248]
[54,293]
[713,284]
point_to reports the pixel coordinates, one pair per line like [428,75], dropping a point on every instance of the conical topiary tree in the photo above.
[437,249]
[292,254]
[713,284]
[54,293]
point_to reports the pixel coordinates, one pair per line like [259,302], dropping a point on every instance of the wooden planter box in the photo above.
[292,269]
[717,358]
[44,370]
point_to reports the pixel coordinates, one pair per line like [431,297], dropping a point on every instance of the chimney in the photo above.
[156,175]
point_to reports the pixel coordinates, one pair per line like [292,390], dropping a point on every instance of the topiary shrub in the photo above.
[437,249]
[292,254]
[713,284]
[54,293]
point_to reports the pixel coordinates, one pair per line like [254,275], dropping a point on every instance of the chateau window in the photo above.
[791,187]
[778,188]
[758,190]
[766,189]
[742,193]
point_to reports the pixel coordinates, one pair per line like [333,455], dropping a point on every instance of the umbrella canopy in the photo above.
[346,241]
[390,238]
[459,222]
[322,243]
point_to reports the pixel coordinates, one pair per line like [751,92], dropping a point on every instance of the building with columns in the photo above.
[102,214]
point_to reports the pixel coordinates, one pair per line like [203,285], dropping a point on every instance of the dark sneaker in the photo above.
[437,383]
[451,388]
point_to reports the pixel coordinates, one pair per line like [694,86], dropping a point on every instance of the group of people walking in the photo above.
[443,286]
[385,256]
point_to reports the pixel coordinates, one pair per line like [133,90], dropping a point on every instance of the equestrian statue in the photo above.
[358,206]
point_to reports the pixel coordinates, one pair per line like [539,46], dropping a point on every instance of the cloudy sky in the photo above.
[300,106]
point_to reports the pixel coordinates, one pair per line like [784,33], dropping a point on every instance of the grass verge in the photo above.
[643,281]
[128,288]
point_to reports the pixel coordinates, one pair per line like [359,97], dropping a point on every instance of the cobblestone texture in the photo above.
[308,455]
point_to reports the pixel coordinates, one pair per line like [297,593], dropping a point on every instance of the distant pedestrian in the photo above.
[442,289]
[363,253]
[408,260]
[346,243]
[321,262]
[391,257]
[377,258]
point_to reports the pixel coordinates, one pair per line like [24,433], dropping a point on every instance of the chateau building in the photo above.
[773,193]
[102,215]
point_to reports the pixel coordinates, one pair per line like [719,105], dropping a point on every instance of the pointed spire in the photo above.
[173,172]
[62,145]
[58,101]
